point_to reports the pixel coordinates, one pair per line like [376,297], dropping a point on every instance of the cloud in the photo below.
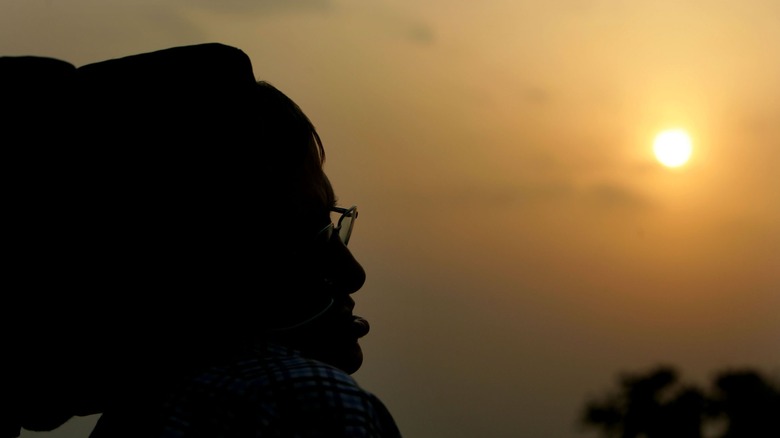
[536,95]
[392,21]
[388,19]
[548,194]
[420,33]
[262,6]
[613,196]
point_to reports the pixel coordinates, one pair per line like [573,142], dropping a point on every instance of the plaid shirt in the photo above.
[274,392]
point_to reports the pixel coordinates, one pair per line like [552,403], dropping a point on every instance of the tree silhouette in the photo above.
[749,403]
[656,404]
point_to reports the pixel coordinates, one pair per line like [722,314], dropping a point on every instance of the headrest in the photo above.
[66,207]
[167,86]
[126,125]
[36,93]
[37,76]
[211,67]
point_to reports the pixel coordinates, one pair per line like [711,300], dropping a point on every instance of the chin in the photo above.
[353,365]
[348,359]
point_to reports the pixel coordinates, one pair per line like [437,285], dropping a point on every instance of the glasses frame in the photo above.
[331,228]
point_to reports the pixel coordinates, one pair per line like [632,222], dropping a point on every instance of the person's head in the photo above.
[187,218]
[314,272]
[221,191]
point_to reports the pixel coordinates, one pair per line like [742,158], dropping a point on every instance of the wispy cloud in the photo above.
[262,6]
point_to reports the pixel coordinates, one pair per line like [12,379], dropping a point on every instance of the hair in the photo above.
[146,247]
[287,130]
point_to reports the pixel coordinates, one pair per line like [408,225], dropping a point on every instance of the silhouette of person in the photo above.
[185,257]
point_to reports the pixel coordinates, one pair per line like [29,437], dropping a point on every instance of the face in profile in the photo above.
[317,274]
[319,318]
[333,337]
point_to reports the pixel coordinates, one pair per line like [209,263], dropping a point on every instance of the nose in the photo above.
[344,271]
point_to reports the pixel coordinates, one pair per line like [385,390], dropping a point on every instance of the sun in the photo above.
[672,147]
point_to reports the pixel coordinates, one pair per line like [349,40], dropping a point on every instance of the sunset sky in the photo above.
[522,243]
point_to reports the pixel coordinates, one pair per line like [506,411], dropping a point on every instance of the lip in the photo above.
[354,325]
[360,326]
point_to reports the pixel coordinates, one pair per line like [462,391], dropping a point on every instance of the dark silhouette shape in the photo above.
[172,254]
[749,403]
[656,404]
[35,94]
[651,404]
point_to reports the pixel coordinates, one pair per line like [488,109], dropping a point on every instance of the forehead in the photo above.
[329,195]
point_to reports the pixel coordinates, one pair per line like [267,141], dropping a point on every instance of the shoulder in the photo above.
[275,390]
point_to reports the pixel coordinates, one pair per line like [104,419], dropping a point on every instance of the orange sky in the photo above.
[521,242]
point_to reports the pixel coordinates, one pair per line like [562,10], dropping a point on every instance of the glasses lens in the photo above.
[345,224]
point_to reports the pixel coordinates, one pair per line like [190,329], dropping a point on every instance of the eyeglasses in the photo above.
[344,224]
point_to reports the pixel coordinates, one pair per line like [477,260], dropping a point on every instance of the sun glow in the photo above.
[672,147]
